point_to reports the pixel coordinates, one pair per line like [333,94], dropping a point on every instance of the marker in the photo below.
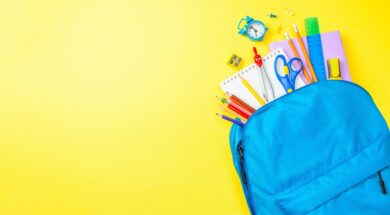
[238,122]
[252,91]
[304,51]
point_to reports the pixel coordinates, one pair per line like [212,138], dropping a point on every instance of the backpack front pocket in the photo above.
[366,163]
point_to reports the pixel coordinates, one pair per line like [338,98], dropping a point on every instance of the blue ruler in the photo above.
[315,47]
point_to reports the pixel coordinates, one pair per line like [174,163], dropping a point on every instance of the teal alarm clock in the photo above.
[253,29]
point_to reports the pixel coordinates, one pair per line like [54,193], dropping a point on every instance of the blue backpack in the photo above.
[322,149]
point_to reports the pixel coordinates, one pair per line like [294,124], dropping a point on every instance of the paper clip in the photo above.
[290,11]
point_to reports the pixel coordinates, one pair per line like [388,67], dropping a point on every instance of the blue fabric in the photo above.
[315,151]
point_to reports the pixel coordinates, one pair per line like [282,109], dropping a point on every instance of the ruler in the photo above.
[314,44]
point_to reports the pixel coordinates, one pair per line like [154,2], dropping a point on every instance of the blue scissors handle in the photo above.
[289,73]
[283,79]
[294,72]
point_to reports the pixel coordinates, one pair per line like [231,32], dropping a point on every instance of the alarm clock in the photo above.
[253,29]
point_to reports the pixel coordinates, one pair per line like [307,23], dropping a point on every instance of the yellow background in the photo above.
[107,107]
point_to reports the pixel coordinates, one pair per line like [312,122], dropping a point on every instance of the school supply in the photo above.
[259,63]
[234,85]
[253,29]
[311,26]
[235,121]
[301,167]
[334,69]
[227,110]
[294,51]
[268,92]
[236,108]
[272,15]
[290,11]
[240,102]
[279,28]
[304,52]
[251,90]
[315,47]
[234,61]
[287,79]
[332,47]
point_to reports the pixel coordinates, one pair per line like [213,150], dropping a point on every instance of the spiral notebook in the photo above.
[251,73]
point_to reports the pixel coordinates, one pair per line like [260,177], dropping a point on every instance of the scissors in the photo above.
[289,73]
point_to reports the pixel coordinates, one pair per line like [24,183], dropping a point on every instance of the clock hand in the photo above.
[253,29]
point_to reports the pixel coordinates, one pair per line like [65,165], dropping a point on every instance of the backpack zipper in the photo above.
[241,156]
[382,183]
[244,177]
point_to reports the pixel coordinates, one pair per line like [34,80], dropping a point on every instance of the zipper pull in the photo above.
[241,152]
[382,183]
[243,175]
[241,155]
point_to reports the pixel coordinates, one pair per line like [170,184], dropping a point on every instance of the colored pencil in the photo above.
[237,105]
[238,122]
[236,108]
[240,102]
[305,54]
[252,91]
[233,113]
[294,50]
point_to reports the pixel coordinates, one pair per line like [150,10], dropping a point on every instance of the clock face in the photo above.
[256,30]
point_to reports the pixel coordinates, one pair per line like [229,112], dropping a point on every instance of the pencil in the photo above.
[252,91]
[236,108]
[238,122]
[292,47]
[249,111]
[244,113]
[233,113]
[240,102]
[300,41]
